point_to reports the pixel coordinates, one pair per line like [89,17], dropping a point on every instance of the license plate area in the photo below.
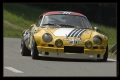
[74,49]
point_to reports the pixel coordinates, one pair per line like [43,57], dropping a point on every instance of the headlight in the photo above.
[88,44]
[47,37]
[97,39]
[58,43]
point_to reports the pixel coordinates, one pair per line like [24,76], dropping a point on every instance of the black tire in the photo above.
[24,50]
[34,51]
[105,55]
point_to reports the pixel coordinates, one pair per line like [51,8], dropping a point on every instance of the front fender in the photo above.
[37,38]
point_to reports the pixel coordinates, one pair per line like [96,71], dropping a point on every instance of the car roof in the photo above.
[63,12]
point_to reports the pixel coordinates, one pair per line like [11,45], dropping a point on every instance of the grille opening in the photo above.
[95,47]
[46,53]
[50,45]
[98,55]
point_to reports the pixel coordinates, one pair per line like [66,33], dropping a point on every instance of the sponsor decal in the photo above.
[73,41]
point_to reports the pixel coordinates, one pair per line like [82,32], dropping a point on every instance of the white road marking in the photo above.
[13,69]
[18,71]
[111,59]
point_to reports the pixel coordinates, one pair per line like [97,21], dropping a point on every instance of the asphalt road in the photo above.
[15,65]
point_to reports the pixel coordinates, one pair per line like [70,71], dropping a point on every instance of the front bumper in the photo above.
[59,52]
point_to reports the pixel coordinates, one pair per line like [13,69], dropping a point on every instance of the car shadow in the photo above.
[69,60]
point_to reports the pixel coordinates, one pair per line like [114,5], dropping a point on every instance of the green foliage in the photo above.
[9,31]
[108,31]
[26,14]
[15,19]
[21,10]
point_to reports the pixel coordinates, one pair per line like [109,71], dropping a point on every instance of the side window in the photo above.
[38,21]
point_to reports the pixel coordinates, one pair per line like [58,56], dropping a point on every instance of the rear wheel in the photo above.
[24,50]
[34,51]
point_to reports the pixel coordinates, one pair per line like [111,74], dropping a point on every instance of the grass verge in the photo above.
[11,31]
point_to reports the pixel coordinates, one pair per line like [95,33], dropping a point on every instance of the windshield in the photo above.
[66,20]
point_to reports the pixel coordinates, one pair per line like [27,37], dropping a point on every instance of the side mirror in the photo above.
[96,28]
[32,25]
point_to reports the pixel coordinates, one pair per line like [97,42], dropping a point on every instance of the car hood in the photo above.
[71,32]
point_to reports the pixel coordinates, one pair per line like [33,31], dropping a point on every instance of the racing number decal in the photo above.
[66,12]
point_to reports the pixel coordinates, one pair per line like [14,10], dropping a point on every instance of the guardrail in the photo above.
[113,49]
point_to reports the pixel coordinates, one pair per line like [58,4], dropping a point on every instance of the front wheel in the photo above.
[105,56]
[34,51]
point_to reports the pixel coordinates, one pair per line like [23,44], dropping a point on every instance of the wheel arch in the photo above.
[25,36]
[37,38]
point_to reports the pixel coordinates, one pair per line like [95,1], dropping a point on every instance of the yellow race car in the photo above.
[64,34]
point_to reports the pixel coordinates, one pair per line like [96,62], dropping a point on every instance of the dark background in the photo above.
[102,13]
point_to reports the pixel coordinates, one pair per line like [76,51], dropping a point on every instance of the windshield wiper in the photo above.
[67,25]
[51,24]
